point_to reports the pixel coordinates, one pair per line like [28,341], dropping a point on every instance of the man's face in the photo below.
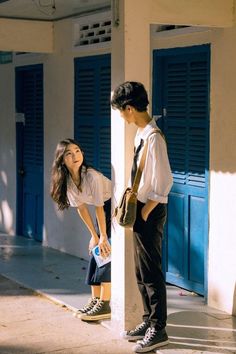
[127,114]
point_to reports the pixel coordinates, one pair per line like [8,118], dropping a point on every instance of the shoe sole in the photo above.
[96,318]
[152,347]
[133,339]
[77,315]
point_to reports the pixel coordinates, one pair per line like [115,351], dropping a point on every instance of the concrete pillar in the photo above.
[130,61]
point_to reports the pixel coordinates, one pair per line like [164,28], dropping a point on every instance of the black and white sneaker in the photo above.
[154,338]
[100,311]
[89,306]
[137,333]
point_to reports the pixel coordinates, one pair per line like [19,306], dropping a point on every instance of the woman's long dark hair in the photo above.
[60,174]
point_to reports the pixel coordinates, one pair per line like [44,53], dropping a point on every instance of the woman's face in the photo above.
[73,157]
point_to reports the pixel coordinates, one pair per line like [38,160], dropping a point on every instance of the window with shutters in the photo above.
[92,110]
[185,99]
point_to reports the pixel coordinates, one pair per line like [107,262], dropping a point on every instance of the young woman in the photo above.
[75,184]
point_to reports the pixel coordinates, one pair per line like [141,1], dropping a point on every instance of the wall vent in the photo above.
[93,30]
[162,28]
[165,31]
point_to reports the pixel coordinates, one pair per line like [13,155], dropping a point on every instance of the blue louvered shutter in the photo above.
[181,95]
[33,110]
[29,101]
[186,105]
[92,110]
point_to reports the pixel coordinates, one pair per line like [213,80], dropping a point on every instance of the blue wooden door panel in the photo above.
[181,96]
[196,239]
[28,217]
[92,110]
[175,224]
[29,101]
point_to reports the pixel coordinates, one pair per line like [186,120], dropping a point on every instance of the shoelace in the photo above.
[138,327]
[89,305]
[96,308]
[148,336]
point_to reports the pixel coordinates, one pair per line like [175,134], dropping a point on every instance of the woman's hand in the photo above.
[104,246]
[92,243]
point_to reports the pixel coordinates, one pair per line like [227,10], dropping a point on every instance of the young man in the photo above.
[131,99]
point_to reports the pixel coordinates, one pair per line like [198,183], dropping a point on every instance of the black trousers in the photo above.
[147,257]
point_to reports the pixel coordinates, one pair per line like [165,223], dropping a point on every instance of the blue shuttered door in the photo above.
[92,110]
[29,102]
[181,97]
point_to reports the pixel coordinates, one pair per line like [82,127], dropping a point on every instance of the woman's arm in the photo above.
[104,245]
[87,219]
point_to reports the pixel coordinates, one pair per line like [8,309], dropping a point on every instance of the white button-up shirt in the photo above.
[96,189]
[156,180]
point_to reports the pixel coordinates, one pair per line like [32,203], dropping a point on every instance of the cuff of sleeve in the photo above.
[99,204]
[158,198]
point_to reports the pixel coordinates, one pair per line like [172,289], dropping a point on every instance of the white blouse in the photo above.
[156,180]
[96,189]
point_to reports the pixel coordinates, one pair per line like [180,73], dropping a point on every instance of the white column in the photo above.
[130,61]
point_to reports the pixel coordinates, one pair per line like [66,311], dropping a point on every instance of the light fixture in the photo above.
[47,8]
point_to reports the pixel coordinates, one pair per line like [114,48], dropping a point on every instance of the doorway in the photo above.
[181,78]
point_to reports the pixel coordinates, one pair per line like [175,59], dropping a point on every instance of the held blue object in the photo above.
[96,251]
[100,260]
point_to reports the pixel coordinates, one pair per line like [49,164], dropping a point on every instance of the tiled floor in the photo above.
[193,327]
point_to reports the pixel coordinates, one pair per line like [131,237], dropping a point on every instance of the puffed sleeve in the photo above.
[161,180]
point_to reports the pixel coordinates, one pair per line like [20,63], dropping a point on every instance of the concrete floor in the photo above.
[36,325]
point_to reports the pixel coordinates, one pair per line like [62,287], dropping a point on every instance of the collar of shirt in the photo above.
[70,181]
[143,133]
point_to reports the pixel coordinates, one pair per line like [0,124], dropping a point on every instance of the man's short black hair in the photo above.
[130,93]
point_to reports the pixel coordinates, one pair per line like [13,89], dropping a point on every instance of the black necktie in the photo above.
[134,166]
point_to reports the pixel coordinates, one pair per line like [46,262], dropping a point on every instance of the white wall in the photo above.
[7,151]
[222,233]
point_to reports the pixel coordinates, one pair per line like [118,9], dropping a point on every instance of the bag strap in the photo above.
[138,175]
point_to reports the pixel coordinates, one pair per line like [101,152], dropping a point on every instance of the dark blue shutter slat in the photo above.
[105,150]
[92,110]
[105,90]
[198,110]
[187,104]
[85,92]
[177,150]
[33,110]
[86,141]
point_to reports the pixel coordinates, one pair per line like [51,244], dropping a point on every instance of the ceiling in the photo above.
[50,10]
